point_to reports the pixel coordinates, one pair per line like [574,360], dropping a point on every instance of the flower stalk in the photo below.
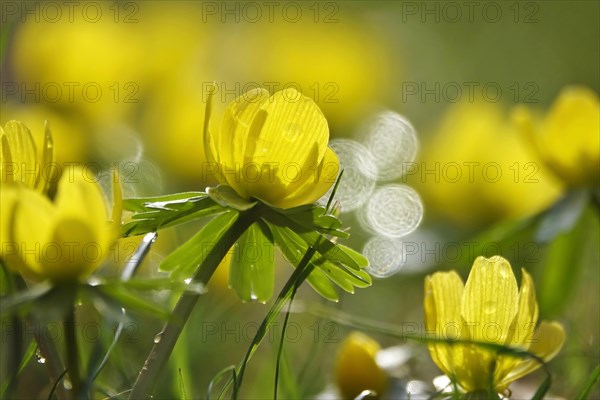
[73,355]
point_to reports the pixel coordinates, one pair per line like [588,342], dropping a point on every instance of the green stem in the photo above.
[72,353]
[159,355]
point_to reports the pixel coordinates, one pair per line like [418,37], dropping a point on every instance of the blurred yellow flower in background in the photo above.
[567,137]
[476,169]
[345,67]
[356,369]
[273,148]
[89,68]
[173,129]
[65,239]
[488,309]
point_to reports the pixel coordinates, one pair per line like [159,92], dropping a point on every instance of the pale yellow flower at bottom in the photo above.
[64,240]
[489,308]
[356,369]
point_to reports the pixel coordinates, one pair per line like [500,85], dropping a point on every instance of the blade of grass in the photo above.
[298,276]
[589,384]
[55,385]
[280,349]
[158,356]
[335,188]
[130,268]
[27,357]
[182,393]
[543,388]
[394,331]
[221,373]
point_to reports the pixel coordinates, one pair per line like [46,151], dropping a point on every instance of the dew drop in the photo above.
[393,142]
[393,211]
[188,281]
[385,255]
[292,131]
[360,173]
[39,357]
[67,383]
[417,389]
[489,307]
[158,337]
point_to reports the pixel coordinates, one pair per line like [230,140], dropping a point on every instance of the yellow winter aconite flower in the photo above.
[19,160]
[65,239]
[489,308]
[568,137]
[476,169]
[356,369]
[273,148]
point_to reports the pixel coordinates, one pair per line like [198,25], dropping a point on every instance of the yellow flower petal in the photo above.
[80,197]
[490,300]
[292,140]
[234,136]
[48,174]
[67,239]
[522,329]
[570,136]
[33,227]
[356,369]
[9,247]
[22,166]
[527,315]
[546,343]
[317,184]
[79,251]
[443,294]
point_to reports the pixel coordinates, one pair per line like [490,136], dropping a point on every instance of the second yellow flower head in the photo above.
[273,148]
[61,240]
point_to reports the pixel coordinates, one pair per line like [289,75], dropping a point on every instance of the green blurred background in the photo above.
[125,83]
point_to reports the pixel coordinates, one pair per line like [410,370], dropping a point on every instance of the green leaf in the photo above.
[564,260]
[162,214]
[293,248]
[227,197]
[337,276]
[141,204]
[308,218]
[562,216]
[25,298]
[252,269]
[128,299]
[183,262]
[335,252]
[156,284]
[347,279]
[314,218]
[336,263]
[322,285]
